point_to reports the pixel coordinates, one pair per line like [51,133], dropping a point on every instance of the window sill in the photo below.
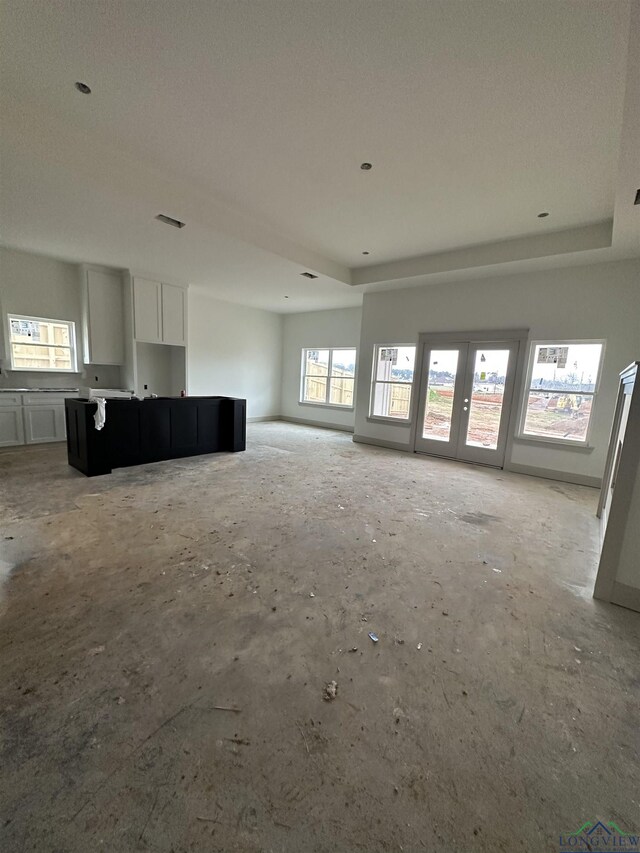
[373,419]
[40,370]
[326,406]
[578,446]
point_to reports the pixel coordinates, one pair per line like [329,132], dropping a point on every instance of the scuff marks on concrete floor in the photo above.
[147,602]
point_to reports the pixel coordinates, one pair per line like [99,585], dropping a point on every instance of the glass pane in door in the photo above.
[438,407]
[489,376]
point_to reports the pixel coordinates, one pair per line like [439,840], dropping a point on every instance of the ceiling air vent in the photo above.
[168,220]
[308,275]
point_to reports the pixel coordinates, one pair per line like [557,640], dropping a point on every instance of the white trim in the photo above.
[374,381]
[342,407]
[552,474]
[625,595]
[379,419]
[303,375]
[521,435]
[560,442]
[486,337]
[72,344]
[381,442]
[319,424]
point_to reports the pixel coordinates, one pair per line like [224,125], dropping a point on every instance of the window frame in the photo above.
[386,419]
[327,404]
[72,347]
[575,444]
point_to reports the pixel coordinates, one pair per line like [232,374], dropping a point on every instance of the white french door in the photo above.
[465,397]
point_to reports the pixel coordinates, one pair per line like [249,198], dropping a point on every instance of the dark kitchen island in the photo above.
[153,429]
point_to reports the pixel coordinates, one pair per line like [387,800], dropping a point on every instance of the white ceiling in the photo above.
[249,120]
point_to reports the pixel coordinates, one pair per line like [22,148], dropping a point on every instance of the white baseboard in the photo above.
[625,596]
[320,424]
[551,474]
[380,442]
[544,473]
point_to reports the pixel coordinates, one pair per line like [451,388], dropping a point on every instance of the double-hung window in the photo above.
[328,376]
[562,383]
[392,381]
[42,345]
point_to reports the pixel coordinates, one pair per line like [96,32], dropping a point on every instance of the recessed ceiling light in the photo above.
[365,253]
[286,297]
[82,87]
[308,275]
[366,166]
[542,215]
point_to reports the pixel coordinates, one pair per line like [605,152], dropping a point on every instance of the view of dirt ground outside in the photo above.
[561,390]
[554,415]
[484,422]
[485,408]
[558,404]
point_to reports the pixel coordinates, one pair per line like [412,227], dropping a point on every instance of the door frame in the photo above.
[497,336]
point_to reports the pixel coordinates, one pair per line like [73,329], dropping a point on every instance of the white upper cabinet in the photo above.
[103,317]
[173,315]
[147,310]
[159,312]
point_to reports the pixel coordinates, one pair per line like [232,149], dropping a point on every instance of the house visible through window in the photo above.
[42,345]
[393,367]
[561,389]
[328,376]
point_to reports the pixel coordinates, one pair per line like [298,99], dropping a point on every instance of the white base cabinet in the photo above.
[11,426]
[32,418]
[44,423]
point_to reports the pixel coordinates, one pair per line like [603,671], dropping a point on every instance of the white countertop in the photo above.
[43,390]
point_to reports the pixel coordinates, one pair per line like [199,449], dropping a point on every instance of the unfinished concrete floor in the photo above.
[142,602]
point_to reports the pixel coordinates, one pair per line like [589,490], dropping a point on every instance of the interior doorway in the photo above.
[466,393]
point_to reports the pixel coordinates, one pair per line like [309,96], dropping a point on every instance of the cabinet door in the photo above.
[44,423]
[173,315]
[11,426]
[105,318]
[147,310]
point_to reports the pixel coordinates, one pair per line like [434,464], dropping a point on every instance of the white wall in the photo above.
[598,301]
[316,330]
[161,368]
[44,287]
[236,352]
